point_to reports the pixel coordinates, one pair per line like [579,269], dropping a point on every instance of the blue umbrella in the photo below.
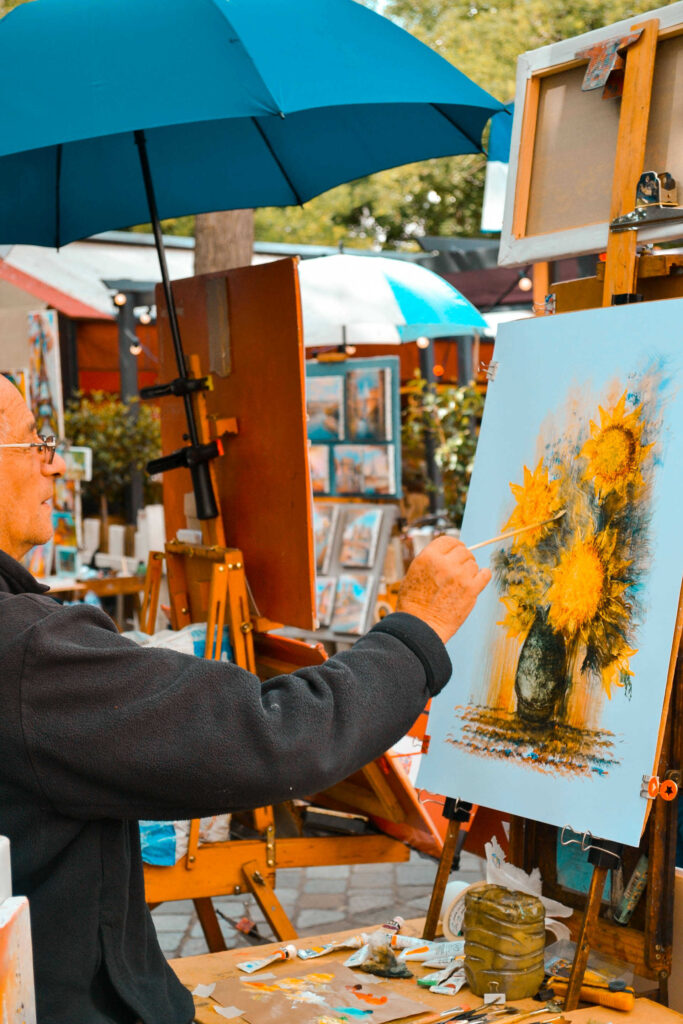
[271,103]
[377,300]
[243,103]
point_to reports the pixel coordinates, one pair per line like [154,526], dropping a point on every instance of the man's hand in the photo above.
[442,585]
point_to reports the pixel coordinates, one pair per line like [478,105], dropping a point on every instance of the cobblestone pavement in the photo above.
[317,900]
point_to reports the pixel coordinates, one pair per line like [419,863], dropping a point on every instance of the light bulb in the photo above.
[120,299]
[423,342]
[145,317]
[350,350]
[135,350]
[525,284]
[438,370]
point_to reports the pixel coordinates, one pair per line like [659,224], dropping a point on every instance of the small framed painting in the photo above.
[319,462]
[325,408]
[324,530]
[66,560]
[325,587]
[359,539]
[348,469]
[351,603]
[378,470]
[78,463]
[368,404]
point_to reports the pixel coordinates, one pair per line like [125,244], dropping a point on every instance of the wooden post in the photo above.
[620,268]
[457,812]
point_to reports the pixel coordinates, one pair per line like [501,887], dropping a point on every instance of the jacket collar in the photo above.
[15,579]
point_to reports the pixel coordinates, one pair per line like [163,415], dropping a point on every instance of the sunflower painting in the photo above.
[561,674]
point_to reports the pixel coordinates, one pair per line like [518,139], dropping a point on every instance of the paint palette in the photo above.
[330,995]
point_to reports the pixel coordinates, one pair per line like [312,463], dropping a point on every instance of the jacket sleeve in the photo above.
[117,730]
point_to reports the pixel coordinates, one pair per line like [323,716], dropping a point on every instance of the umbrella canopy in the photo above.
[268,103]
[378,300]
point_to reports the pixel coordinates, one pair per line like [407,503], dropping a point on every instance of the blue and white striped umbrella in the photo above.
[376,300]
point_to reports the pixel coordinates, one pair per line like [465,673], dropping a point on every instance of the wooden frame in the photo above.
[564,143]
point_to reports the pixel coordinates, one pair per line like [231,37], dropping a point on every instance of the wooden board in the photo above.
[202,970]
[564,144]
[245,325]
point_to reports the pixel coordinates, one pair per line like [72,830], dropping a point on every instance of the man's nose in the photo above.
[56,467]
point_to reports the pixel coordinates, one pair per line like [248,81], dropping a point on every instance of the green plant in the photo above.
[452,416]
[123,436]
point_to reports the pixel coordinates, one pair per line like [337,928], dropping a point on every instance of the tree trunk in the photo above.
[223,240]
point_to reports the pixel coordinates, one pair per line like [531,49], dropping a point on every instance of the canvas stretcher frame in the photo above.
[564,146]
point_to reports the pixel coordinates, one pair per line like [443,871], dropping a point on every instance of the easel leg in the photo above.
[457,812]
[268,901]
[444,869]
[210,926]
[583,944]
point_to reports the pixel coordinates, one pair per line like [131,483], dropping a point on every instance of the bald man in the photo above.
[96,732]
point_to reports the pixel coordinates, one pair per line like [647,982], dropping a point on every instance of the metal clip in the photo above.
[584,842]
[649,787]
[490,369]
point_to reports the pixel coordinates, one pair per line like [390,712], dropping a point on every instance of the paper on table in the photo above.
[302,996]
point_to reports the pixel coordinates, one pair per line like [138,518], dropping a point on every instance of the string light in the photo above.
[145,317]
[350,350]
[423,342]
[120,299]
[135,350]
[525,284]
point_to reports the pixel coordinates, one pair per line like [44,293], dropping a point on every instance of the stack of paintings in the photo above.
[348,564]
[353,427]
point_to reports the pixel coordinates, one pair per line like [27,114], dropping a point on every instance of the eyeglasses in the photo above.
[46,447]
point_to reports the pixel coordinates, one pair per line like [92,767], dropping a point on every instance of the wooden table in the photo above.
[104,586]
[203,970]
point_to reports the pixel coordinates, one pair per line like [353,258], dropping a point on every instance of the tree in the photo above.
[451,415]
[119,442]
[482,38]
[223,240]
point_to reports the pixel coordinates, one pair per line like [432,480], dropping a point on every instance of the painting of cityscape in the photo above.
[563,666]
[324,528]
[359,539]
[368,404]
[325,408]
[351,603]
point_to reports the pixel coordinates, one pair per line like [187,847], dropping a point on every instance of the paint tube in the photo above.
[358,957]
[443,951]
[453,972]
[632,892]
[408,941]
[451,986]
[249,966]
[353,942]
[394,926]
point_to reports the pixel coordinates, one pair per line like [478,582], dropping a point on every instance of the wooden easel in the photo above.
[225,322]
[625,275]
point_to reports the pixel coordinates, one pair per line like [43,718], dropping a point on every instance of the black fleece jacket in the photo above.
[96,732]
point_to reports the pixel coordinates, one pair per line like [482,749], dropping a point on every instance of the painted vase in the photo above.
[542,674]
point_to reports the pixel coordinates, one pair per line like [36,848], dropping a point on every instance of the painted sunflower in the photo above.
[537,499]
[615,451]
[588,602]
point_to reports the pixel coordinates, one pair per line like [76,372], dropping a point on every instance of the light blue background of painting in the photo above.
[539,362]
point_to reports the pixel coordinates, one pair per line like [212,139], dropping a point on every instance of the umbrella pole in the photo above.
[201,478]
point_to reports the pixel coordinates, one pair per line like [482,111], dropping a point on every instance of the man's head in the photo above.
[26,478]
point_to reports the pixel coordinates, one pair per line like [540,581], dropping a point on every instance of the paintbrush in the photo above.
[520,529]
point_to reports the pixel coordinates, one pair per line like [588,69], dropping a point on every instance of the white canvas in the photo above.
[585,413]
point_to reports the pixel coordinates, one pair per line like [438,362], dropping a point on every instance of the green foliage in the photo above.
[452,415]
[123,436]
